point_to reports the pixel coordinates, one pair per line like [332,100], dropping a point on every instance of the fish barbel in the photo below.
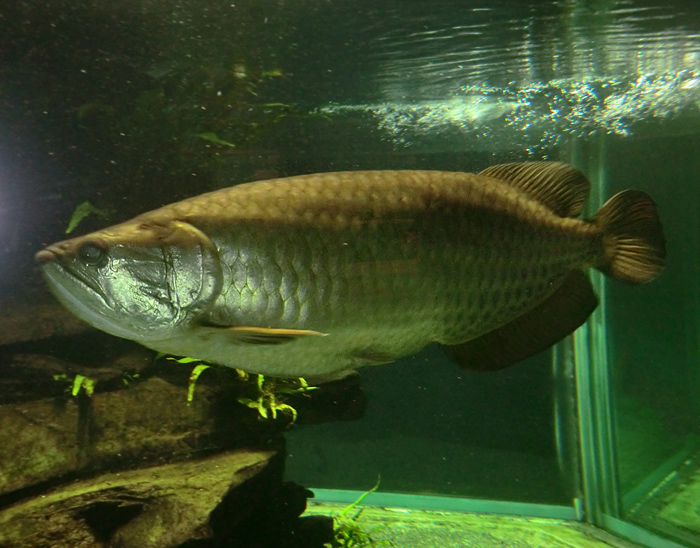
[314,275]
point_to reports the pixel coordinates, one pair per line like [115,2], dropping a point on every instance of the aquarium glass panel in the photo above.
[653,348]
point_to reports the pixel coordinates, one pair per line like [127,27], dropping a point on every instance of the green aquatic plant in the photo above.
[80,382]
[271,73]
[194,375]
[214,138]
[84,383]
[271,394]
[80,212]
[347,531]
[129,378]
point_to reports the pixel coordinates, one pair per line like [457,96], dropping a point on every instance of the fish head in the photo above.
[143,280]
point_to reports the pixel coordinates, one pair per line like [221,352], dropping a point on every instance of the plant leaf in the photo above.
[214,138]
[82,211]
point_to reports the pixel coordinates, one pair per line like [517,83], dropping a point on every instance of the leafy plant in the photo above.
[348,533]
[213,138]
[194,375]
[86,383]
[81,211]
[271,394]
[80,382]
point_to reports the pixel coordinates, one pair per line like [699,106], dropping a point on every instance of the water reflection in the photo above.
[549,72]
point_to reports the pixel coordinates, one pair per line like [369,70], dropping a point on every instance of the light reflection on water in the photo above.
[570,72]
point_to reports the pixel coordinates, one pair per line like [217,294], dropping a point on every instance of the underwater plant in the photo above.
[194,375]
[271,392]
[348,533]
[271,396]
[213,138]
[85,383]
[80,382]
[81,211]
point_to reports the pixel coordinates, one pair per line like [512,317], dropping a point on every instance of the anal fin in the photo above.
[549,322]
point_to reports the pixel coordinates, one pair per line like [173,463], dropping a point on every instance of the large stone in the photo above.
[149,422]
[33,375]
[26,321]
[155,507]
[130,462]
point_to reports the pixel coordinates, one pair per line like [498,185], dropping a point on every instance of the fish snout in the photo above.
[45,256]
[58,251]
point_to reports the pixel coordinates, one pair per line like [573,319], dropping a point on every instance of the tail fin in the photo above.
[635,248]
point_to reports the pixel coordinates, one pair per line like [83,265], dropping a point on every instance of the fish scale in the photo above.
[329,280]
[317,274]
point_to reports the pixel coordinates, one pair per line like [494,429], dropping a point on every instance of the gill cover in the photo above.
[170,277]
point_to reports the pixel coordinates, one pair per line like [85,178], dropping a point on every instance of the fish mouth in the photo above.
[45,256]
[59,274]
[79,295]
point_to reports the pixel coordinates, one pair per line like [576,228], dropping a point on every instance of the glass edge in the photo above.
[636,534]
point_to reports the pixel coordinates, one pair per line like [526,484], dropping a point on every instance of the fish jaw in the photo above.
[143,288]
[81,298]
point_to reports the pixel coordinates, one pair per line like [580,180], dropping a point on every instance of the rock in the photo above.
[23,322]
[34,376]
[155,507]
[130,462]
[149,422]
[138,421]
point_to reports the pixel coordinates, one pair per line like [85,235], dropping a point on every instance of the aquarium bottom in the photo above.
[672,507]
[415,528]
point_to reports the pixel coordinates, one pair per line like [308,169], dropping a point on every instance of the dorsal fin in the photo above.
[560,187]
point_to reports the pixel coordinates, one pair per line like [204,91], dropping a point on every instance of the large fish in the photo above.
[318,274]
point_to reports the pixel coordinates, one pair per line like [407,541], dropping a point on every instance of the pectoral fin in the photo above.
[546,324]
[244,334]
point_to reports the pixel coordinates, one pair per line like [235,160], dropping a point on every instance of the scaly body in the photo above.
[318,274]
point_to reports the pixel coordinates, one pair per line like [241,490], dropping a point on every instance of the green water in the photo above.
[135,104]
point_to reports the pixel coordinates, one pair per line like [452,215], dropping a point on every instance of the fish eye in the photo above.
[92,254]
